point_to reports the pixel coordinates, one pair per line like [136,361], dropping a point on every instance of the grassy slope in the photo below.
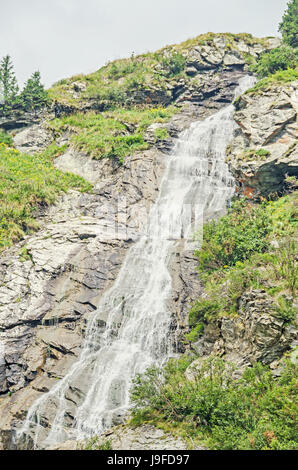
[278,78]
[27,181]
[114,133]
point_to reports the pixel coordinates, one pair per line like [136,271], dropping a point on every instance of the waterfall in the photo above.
[135,309]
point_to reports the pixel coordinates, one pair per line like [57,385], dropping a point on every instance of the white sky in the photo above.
[65,37]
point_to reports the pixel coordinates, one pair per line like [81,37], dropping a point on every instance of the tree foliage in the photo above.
[289,24]
[34,95]
[8,83]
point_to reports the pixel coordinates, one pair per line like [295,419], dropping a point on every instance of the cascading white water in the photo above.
[137,333]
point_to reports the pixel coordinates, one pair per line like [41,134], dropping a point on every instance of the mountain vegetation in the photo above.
[289,24]
[32,97]
[26,183]
[250,251]
[254,412]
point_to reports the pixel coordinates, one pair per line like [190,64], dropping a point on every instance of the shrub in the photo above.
[174,64]
[202,311]
[234,237]
[287,267]
[34,96]
[5,138]
[254,412]
[281,58]
[161,133]
[9,88]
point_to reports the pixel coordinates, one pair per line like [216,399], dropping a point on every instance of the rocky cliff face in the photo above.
[51,281]
[264,151]
[256,334]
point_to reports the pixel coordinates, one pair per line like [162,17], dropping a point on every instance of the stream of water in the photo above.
[136,308]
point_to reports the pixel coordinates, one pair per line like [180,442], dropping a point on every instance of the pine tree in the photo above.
[34,95]
[8,82]
[289,24]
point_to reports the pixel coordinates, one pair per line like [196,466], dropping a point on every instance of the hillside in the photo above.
[78,180]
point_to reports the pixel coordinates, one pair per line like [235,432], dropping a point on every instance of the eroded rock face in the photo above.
[256,334]
[264,150]
[18,118]
[33,139]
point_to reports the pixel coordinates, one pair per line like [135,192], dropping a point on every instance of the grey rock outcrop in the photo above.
[17,118]
[32,139]
[264,150]
[256,334]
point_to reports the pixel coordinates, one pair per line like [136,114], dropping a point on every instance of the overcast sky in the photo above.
[65,37]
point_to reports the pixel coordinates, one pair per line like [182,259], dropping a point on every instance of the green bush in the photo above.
[255,412]
[282,76]
[174,64]
[234,237]
[161,133]
[281,58]
[270,268]
[5,138]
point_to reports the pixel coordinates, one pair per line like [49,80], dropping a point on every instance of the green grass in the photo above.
[5,138]
[237,254]
[250,154]
[94,444]
[256,412]
[26,182]
[115,133]
[278,78]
